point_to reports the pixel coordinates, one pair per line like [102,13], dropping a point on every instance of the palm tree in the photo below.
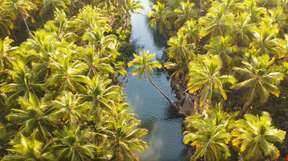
[74,144]
[243,29]
[26,148]
[223,46]
[184,13]
[67,74]
[5,54]
[123,133]
[6,18]
[91,19]
[217,21]
[143,66]
[181,52]
[33,116]
[265,38]
[21,8]
[100,92]
[70,109]
[255,137]
[41,44]
[25,82]
[209,136]
[205,78]
[259,82]
[159,17]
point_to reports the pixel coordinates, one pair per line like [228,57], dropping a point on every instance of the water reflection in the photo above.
[165,138]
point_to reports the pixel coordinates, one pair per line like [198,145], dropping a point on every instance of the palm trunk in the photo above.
[244,110]
[160,91]
[26,25]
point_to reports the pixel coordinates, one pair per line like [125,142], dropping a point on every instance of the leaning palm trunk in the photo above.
[26,25]
[244,110]
[149,78]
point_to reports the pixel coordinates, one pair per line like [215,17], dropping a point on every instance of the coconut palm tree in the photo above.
[243,29]
[25,82]
[159,18]
[122,134]
[222,46]
[265,38]
[185,12]
[26,148]
[21,8]
[181,52]
[67,74]
[143,66]
[74,144]
[5,54]
[33,116]
[96,64]
[100,92]
[91,19]
[205,78]
[217,21]
[6,18]
[259,82]
[209,136]
[69,109]
[255,137]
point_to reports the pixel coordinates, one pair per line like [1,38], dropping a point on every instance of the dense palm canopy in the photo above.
[61,63]
[205,78]
[209,136]
[60,94]
[239,42]
[256,137]
[259,82]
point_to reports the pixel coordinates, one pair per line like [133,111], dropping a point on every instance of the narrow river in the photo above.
[165,128]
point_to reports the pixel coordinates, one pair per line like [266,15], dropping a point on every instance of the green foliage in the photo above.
[256,137]
[61,98]
[214,135]
[144,64]
[258,80]
[209,136]
[205,78]
[214,42]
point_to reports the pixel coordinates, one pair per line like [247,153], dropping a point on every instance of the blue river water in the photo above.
[165,128]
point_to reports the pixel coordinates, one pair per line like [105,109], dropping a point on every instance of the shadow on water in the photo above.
[165,128]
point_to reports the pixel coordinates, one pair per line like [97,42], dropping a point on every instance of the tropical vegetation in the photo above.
[60,93]
[233,53]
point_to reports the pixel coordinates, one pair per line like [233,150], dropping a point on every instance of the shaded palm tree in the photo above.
[33,116]
[122,134]
[74,144]
[100,92]
[6,57]
[25,148]
[21,8]
[67,74]
[259,82]
[69,109]
[205,78]
[255,137]
[209,136]
[25,82]
[143,66]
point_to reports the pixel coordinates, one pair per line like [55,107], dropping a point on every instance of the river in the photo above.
[165,128]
